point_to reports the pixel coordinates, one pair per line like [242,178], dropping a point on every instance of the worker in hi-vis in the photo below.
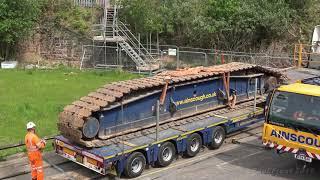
[34,146]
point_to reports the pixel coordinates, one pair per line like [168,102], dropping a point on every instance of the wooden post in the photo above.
[139,39]
[158,46]
[255,95]
[178,58]
[294,55]
[157,119]
[215,57]
[300,56]
[222,58]
[150,42]
[164,90]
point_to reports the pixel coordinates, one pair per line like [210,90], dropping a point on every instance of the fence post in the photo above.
[255,95]
[157,119]
[206,59]
[120,58]
[294,55]
[300,56]
[178,60]
[158,48]
[139,44]
[215,57]
[222,58]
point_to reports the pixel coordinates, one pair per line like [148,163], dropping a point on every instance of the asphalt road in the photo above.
[245,161]
[238,162]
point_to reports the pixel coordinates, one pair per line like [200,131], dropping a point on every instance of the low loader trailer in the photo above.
[130,154]
[128,124]
[127,106]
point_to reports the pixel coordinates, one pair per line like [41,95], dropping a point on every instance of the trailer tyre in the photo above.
[167,152]
[194,143]
[218,136]
[135,165]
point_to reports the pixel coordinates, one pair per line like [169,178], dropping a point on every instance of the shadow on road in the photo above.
[253,156]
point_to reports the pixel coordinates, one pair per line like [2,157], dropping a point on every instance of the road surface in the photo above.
[245,161]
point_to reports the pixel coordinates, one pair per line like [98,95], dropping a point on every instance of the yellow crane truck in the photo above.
[292,123]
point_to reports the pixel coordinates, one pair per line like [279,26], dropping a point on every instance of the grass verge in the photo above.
[39,95]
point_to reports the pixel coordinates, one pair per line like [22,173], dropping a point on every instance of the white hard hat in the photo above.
[30,125]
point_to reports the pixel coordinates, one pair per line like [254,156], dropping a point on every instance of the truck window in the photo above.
[295,109]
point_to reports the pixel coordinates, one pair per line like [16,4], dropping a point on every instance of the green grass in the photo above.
[39,96]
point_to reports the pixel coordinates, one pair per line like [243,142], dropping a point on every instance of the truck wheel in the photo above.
[194,143]
[167,152]
[135,165]
[218,136]
[300,165]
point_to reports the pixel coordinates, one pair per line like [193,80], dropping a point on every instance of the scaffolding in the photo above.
[110,32]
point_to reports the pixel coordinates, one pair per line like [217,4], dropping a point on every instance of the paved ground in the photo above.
[244,161]
[240,162]
[298,74]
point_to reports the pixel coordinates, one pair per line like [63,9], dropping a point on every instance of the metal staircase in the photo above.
[110,21]
[113,30]
[133,47]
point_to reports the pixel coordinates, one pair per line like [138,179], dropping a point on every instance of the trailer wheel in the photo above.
[194,143]
[218,136]
[167,152]
[135,165]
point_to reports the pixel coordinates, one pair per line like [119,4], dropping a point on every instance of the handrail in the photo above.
[123,29]
[82,58]
[90,3]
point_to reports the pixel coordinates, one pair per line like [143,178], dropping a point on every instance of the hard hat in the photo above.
[30,125]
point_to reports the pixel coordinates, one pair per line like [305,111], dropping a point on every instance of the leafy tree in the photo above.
[143,15]
[224,24]
[66,14]
[236,25]
[305,16]
[17,18]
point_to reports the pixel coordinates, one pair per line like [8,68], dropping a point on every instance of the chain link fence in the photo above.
[191,57]
[105,57]
[172,57]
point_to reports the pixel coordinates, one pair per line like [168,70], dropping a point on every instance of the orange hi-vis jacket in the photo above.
[34,146]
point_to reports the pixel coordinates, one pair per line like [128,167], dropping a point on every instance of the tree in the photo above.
[67,15]
[239,25]
[144,16]
[305,16]
[223,24]
[17,18]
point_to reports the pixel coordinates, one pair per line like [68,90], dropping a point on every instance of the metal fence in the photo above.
[174,57]
[105,57]
[92,3]
[190,57]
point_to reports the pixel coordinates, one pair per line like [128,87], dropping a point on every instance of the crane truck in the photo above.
[292,120]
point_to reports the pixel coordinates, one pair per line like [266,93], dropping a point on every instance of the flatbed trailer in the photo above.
[159,147]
